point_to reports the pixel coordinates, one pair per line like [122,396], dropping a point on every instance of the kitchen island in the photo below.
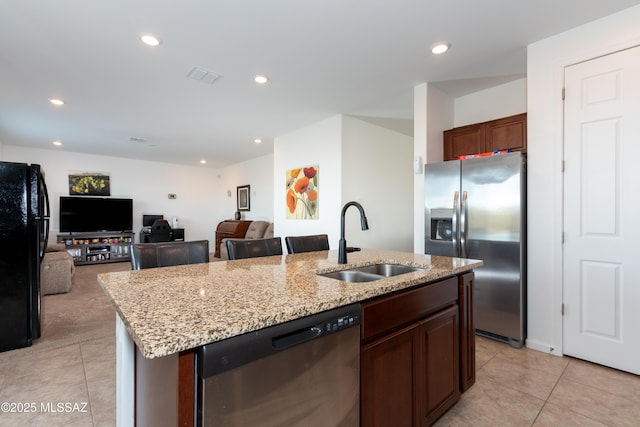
[164,314]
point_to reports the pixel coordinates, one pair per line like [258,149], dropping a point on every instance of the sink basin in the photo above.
[370,273]
[388,270]
[352,276]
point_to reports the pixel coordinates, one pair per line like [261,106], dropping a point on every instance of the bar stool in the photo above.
[299,244]
[239,249]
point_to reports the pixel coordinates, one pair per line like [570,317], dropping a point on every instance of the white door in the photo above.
[601,265]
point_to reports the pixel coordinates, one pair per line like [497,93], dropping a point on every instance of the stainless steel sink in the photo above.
[352,276]
[370,273]
[388,270]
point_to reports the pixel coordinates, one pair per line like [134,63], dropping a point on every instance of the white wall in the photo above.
[357,160]
[147,183]
[318,144]
[546,61]
[500,101]
[258,174]
[440,117]
[433,113]
[377,172]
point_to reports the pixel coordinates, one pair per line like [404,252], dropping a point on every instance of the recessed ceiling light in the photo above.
[203,161]
[260,78]
[257,140]
[150,39]
[56,101]
[440,48]
[57,143]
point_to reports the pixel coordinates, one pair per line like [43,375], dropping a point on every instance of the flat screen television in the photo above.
[82,214]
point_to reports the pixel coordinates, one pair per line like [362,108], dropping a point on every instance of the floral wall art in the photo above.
[302,193]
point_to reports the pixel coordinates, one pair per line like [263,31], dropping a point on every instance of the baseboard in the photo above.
[543,347]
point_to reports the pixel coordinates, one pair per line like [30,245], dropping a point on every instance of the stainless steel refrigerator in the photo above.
[24,231]
[476,208]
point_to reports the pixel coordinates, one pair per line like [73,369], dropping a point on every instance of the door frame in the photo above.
[559,327]
[545,80]
[586,346]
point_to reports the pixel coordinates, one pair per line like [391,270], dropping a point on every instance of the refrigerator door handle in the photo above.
[45,218]
[454,224]
[464,227]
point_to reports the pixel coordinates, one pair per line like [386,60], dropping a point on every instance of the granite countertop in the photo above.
[171,309]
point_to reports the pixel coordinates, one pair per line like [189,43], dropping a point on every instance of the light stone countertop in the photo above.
[171,309]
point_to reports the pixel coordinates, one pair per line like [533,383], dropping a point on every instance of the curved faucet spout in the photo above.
[342,247]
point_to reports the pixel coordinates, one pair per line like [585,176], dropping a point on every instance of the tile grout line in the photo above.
[550,393]
[86,383]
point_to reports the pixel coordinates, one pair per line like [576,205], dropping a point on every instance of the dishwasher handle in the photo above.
[296,337]
[230,353]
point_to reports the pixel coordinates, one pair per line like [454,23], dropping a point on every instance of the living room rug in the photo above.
[85,313]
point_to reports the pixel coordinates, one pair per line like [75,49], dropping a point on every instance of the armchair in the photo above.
[256,230]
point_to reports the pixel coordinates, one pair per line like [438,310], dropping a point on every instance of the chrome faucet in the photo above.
[342,247]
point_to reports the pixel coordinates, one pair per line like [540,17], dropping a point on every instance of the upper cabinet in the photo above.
[506,133]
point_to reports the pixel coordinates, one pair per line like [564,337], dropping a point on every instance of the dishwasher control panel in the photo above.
[340,323]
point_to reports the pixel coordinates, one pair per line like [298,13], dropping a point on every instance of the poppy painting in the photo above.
[302,193]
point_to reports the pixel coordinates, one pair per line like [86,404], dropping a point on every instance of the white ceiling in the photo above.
[359,57]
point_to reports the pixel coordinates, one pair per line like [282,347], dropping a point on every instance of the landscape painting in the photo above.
[89,184]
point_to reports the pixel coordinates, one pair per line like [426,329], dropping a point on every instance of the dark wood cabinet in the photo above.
[463,140]
[505,133]
[410,360]
[230,229]
[389,380]
[440,365]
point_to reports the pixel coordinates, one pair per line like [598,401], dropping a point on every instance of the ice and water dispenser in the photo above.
[442,224]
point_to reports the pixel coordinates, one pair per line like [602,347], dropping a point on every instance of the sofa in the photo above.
[256,230]
[56,270]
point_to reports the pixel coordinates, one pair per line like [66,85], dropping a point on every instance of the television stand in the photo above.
[98,247]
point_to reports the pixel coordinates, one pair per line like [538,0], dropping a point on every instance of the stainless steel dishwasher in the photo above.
[305,372]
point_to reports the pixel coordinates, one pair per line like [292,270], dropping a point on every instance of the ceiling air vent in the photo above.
[202,75]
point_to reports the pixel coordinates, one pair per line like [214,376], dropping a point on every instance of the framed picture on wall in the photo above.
[244,202]
[302,193]
[89,184]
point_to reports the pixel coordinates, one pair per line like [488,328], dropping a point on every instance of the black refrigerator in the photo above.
[24,231]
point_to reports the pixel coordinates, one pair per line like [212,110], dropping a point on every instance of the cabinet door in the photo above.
[388,381]
[507,133]
[464,140]
[439,371]
[467,333]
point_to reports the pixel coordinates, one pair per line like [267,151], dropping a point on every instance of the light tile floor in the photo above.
[522,387]
[513,388]
[73,385]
